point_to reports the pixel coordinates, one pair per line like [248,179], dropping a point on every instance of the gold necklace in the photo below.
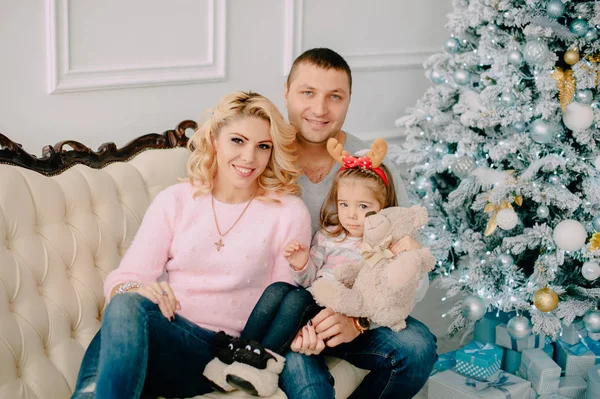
[219,244]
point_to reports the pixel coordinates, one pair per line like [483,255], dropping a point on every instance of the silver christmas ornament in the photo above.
[584,96]
[440,149]
[493,28]
[519,327]
[436,77]
[541,131]
[473,308]
[508,98]
[535,52]
[591,320]
[452,45]
[555,8]
[505,260]
[578,116]
[463,166]
[462,76]
[507,219]
[554,179]
[569,235]
[590,271]
[542,212]
[596,223]
[425,184]
[519,127]
[579,26]
[515,57]
[591,35]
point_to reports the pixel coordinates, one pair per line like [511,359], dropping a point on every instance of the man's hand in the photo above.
[404,244]
[297,255]
[307,342]
[334,328]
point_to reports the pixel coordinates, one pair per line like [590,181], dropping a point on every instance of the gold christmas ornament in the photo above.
[595,241]
[571,57]
[545,299]
[565,81]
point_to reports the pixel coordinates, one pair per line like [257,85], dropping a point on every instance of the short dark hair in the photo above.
[323,58]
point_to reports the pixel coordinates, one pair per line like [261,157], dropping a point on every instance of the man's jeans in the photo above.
[400,364]
[138,351]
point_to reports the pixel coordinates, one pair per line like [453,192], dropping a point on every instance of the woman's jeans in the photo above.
[280,313]
[143,353]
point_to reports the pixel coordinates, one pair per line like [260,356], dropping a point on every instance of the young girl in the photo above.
[362,186]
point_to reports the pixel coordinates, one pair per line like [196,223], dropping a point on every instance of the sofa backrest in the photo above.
[59,238]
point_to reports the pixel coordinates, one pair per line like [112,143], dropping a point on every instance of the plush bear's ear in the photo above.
[419,216]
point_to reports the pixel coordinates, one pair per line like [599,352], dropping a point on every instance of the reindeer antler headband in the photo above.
[370,162]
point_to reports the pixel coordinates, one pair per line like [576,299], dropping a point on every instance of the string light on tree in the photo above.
[545,299]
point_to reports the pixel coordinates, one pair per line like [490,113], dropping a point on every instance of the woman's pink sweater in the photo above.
[217,289]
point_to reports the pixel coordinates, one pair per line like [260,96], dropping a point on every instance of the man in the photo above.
[317,96]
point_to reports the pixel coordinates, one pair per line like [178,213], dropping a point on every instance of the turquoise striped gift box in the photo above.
[478,360]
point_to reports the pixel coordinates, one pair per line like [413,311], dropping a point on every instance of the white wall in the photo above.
[111,70]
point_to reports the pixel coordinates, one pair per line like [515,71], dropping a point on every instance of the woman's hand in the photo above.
[307,342]
[334,328]
[297,255]
[404,244]
[162,295]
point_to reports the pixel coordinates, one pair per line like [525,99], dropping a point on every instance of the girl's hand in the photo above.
[307,342]
[297,255]
[334,328]
[404,244]
[162,295]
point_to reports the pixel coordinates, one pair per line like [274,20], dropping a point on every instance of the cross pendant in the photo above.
[219,244]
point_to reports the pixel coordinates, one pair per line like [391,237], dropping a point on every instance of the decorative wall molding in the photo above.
[395,59]
[63,78]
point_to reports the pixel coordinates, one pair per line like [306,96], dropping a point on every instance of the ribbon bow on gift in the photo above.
[372,255]
[480,350]
[586,345]
[499,383]
[445,361]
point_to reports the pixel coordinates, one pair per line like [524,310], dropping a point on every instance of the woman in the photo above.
[219,237]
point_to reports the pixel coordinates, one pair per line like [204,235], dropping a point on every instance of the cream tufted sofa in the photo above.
[64,226]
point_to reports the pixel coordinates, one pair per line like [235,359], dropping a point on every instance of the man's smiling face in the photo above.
[317,101]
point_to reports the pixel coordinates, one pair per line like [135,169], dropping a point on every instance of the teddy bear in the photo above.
[381,287]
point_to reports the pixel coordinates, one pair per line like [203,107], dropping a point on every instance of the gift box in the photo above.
[504,339]
[552,396]
[572,387]
[539,369]
[478,360]
[500,385]
[512,359]
[593,383]
[574,332]
[577,359]
[446,361]
[485,329]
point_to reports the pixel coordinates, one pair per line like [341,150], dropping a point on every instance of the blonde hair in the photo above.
[385,196]
[281,172]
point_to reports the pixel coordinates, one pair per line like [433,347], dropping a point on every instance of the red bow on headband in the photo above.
[370,162]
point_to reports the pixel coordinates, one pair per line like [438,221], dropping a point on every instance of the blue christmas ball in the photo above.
[519,127]
[541,131]
[584,96]
[505,260]
[596,223]
[554,179]
[440,149]
[508,98]
[515,57]
[493,28]
[436,77]
[425,184]
[555,9]
[579,26]
[591,35]
[452,45]
[543,212]
[462,76]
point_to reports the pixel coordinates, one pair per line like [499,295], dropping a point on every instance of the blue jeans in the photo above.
[400,363]
[278,315]
[139,352]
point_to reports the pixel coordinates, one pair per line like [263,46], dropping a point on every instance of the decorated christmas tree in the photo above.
[504,151]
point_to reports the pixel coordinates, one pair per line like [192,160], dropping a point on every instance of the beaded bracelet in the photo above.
[129,285]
